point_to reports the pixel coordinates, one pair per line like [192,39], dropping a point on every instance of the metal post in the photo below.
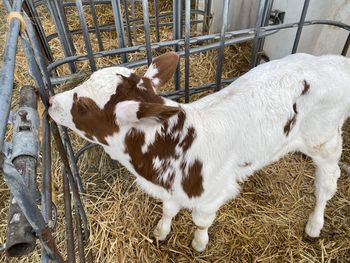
[257,33]
[187,48]
[20,239]
[346,46]
[220,60]
[86,35]
[119,27]
[300,26]
[147,30]
[177,35]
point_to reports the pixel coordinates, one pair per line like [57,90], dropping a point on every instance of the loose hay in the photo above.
[264,224]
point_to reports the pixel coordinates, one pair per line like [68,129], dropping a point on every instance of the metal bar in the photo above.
[207,16]
[177,35]
[133,18]
[96,25]
[83,149]
[81,253]
[156,15]
[187,48]
[46,188]
[257,34]
[34,70]
[20,238]
[181,93]
[66,42]
[300,26]
[119,27]
[111,27]
[24,199]
[29,8]
[246,34]
[7,74]
[86,35]
[265,22]
[68,218]
[147,31]
[346,46]
[220,60]
[125,2]
[76,197]
[71,158]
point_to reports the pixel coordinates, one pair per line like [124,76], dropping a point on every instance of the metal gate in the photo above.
[19,158]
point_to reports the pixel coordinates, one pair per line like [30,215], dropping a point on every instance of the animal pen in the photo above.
[62,42]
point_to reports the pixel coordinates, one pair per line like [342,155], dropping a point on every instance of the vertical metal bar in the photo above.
[156,14]
[222,45]
[63,35]
[257,34]
[177,35]
[207,16]
[29,7]
[79,238]
[346,46]
[127,21]
[86,36]
[7,74]
[133,18]
[119,27]
[266,18]
[300,26]
[46,189]
[146,27]
[187,49]
[68,218]
[97,28]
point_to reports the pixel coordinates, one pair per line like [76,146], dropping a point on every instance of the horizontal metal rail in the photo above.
[248,33]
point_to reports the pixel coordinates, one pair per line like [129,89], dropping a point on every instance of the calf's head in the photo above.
[113,97]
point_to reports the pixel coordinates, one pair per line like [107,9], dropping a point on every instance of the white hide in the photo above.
[244,123]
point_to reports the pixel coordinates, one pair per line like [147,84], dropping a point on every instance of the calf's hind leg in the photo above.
[326,157]
[170,209]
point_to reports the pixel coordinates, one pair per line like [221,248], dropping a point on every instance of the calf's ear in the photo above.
[162,69]
[133,111]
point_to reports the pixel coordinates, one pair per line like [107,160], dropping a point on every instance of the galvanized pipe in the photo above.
[177,37]
[7,76]
[346,46]
[86,36]
[119,27]
[96,25]
[147,31]
[220,60]
[300,26]
[187,48]
[20,238]
[257,33]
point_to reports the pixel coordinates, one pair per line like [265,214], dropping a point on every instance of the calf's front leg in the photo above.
[203,220]
[170,209]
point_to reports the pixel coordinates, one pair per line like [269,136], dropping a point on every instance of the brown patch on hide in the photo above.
[158,111]
[306,87]
[101,123]
[291,122]
[192,181]
[93,121]
[164,148]
[188,139]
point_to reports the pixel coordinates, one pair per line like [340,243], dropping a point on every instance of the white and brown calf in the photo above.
[195,155]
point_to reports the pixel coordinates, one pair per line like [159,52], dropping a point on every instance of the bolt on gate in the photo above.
[19,158]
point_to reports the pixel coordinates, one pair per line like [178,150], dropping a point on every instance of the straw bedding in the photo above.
[264,224]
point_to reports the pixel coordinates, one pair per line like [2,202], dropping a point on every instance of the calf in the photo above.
[195,155]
